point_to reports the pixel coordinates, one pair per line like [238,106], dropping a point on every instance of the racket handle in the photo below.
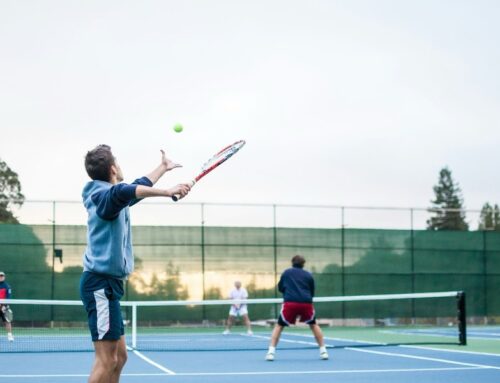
[176,197]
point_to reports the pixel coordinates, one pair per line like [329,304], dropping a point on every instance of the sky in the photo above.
[353,102]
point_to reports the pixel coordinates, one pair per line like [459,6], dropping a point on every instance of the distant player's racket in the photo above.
[7,313]
[9,316]
[220,157]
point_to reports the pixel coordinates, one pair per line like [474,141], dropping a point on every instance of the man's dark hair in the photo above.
[298,261]
[98,163]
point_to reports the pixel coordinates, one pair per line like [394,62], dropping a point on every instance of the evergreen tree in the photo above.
[489,218]
[447,196]
[10,193]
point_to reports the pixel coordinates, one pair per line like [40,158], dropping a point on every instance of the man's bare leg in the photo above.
[229,323]
[8,327]
[246,319]
[275,337]
[105,362]
[121,360]
[318,335]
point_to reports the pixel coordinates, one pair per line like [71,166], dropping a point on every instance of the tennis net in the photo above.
[367,320]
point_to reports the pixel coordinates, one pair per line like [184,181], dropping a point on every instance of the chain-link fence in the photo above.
[190,250]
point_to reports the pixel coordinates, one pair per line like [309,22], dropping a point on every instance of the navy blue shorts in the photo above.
[101,296]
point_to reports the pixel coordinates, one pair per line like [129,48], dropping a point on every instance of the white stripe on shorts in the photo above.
[102,306]
[311,318]
[282,315]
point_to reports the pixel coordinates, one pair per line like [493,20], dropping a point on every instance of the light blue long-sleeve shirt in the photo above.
[109,240]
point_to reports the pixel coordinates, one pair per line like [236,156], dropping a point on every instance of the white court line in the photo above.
[290,340]
[151,362]
[423,358]
[404,346]
[334,339]
[386,353]
[475,332]
[435,335]
[412,370]
[450,350]
[482,338]
[327,371]
[284,340]
[470,334]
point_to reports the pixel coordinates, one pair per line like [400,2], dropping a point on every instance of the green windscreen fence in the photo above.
[179,263]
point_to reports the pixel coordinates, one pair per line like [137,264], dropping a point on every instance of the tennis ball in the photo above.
[178,128]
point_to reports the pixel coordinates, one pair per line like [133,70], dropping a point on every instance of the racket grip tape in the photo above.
[176,197]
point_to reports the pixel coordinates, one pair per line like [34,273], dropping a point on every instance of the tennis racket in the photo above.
[7,313]
[9,316]
[219,158]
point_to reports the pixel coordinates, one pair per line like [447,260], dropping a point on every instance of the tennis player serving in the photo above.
[297,287]
[108,258]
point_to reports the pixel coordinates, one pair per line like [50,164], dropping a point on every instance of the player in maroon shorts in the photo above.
[297,287]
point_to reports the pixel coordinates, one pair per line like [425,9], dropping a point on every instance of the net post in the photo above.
[462,318]
[275,261]
[134,325]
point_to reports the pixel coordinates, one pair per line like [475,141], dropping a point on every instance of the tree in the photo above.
[447,196]
[10,193]
[167,286]
[489,218]
[23,258]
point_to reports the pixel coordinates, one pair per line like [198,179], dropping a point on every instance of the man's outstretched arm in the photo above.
[143,191]
[111,202]
[165,166]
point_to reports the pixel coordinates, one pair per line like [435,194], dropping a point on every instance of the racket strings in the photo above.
[223,155]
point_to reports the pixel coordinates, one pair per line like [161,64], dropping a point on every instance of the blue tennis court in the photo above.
[376,362]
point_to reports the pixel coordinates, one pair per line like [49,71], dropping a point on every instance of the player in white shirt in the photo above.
[238,310]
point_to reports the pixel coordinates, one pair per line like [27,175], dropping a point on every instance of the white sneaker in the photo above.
[226,332]
[270,357]
[249,332]
[10,337]
[323,355]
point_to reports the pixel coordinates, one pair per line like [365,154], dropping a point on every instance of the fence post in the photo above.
[275,259]
[52,283]
[203,258]
[412,265]
[275,252]
[485,277]
[342,258]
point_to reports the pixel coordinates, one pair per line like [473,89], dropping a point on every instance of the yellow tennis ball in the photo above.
[178,128]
